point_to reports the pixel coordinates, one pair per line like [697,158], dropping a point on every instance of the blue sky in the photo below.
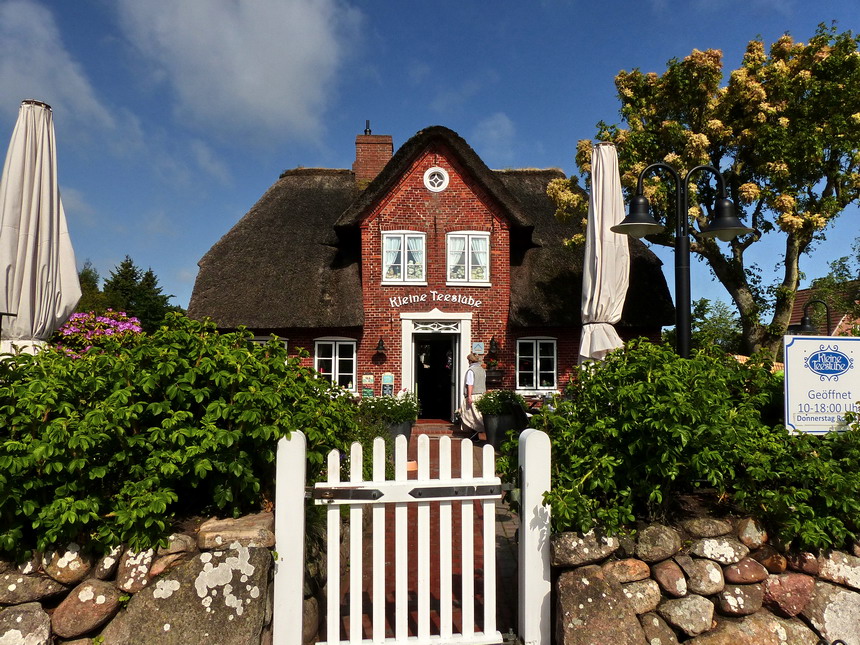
[173,118]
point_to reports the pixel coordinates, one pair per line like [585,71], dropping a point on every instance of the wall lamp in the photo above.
[806,326]
[380,346]
[494,346]
[725,226]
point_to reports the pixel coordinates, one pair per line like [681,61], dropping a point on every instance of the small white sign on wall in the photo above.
[822,382]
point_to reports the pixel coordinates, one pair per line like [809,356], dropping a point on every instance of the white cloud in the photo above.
[453,97]
[493,139]
[419,72]
[77,207]
[158,224]
[208,162]
[35,64]
[129,140]
[186,275]
[264,69]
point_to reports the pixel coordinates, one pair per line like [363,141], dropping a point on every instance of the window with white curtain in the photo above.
[403,257]
[469,257]
[536,364]
[334,359]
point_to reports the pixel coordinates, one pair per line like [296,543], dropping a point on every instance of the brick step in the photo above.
[436,427]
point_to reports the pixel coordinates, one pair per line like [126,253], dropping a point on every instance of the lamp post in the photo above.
[725,226]
[806,326]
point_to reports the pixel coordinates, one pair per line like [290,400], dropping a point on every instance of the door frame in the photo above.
[455,323]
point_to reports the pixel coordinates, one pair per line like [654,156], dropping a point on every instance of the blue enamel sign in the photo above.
[822,382]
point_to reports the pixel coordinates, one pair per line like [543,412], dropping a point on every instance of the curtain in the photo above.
[480,264]
[391,262]
[457,257]
[415,257]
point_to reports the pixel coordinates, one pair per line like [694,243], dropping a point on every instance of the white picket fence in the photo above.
[452,493]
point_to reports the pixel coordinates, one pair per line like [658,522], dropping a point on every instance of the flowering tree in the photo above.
[785,133]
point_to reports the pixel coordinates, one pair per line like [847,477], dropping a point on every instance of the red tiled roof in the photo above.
[838,319]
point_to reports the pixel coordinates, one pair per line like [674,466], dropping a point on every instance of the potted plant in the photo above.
[503,410]
[494,374]
[397,413]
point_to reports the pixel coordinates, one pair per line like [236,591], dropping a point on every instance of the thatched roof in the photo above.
[293,260]
[281,265]
[546,273]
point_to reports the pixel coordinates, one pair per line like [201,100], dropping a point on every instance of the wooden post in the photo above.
[534,556]
[288,604]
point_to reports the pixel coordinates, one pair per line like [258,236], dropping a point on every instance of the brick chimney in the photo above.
[372,152]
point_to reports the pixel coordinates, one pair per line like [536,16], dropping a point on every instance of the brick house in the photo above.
[841,322]
[391,272]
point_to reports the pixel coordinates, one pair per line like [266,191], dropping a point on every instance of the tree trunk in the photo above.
[756,336]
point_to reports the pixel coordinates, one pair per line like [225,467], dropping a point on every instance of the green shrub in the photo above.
[805,486]
[110,447]
[499,402]
[643,427]
[402,408]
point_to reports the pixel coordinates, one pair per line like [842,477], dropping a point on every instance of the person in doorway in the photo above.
[475,385]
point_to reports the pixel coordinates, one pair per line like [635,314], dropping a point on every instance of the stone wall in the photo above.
[212,586]
[705,582]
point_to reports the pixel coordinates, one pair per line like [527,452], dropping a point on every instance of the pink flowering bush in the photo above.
[86,330]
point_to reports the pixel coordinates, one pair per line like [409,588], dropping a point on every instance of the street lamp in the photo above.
[806,326]
[724,226]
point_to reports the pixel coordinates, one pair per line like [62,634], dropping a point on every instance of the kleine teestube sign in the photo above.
[822,382]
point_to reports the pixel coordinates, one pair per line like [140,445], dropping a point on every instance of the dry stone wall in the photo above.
[705,582]
[210,587]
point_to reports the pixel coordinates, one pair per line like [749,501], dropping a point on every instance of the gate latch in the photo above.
[456,491]
[332,494]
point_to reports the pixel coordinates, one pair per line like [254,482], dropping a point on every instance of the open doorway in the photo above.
[435,374]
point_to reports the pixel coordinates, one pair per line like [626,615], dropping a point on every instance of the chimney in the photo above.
[372,152]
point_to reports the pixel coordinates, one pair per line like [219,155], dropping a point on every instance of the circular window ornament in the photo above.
[436,179]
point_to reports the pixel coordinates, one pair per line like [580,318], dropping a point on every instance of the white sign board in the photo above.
[822,382]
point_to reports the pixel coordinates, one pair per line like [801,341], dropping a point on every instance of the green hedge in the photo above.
[634,433]
[111,447]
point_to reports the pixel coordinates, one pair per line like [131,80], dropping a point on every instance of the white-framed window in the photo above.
[403,257]
[334,359]
[469,257]
[536,364]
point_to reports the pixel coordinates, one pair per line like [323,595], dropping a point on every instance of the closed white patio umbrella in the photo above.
[606,270]
[40,286]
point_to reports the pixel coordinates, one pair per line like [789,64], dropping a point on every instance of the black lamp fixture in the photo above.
[725,226]
[380,346]
[806,326]
[494,346]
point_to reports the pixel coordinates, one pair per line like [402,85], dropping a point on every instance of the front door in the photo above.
[435,372]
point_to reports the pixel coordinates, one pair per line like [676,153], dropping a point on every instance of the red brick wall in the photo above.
[372,152]
[463,205]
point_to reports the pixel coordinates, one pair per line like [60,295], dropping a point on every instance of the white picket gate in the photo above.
[453,494]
